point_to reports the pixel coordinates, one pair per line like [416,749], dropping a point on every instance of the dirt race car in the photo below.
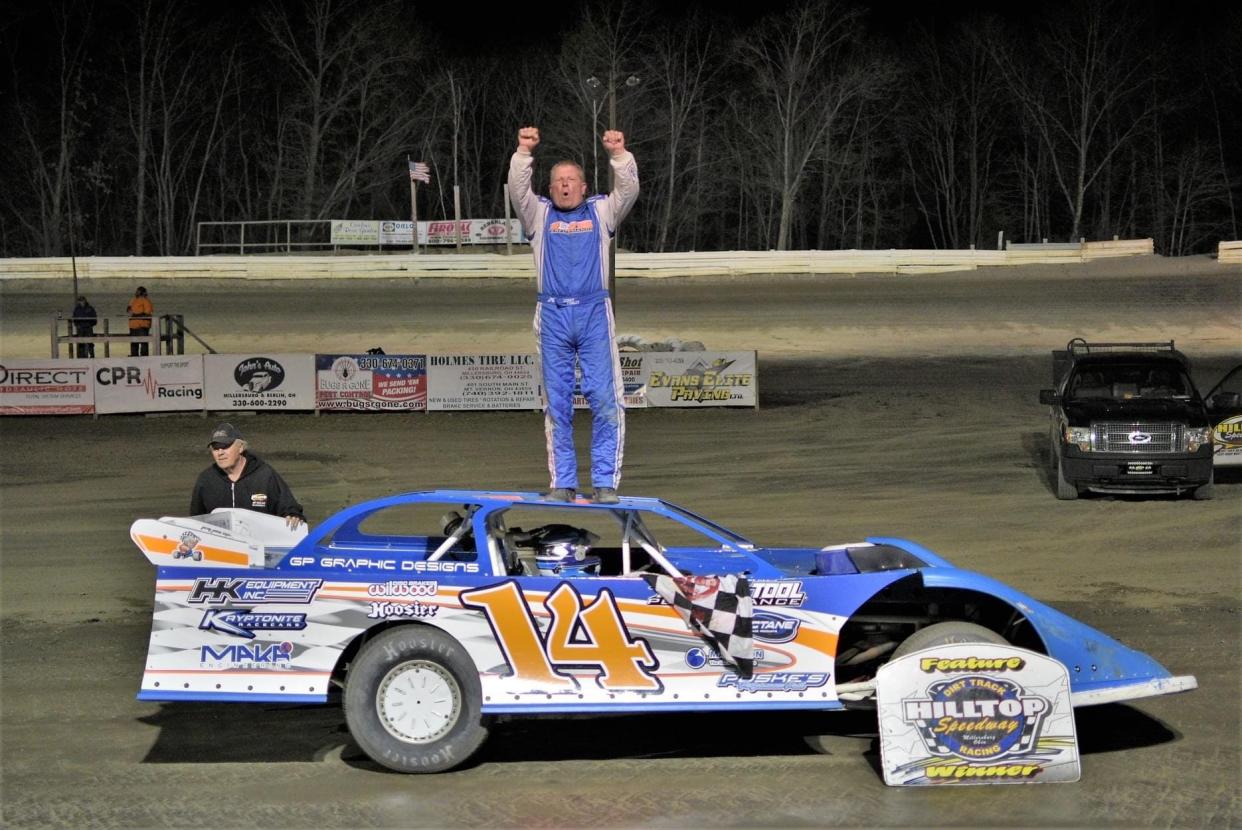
[436,611]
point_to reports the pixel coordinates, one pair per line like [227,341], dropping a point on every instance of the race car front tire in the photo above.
[413,700]
[947,633]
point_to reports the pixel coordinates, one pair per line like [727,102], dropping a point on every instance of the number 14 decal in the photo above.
[602,642]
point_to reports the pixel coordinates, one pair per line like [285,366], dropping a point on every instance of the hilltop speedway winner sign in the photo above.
[976,713]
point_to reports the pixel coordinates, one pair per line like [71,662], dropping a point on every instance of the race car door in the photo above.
[1224,406]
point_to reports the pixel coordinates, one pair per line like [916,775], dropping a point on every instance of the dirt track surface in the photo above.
[889,406]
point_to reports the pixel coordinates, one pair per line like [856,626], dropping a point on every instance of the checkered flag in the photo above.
[716,607]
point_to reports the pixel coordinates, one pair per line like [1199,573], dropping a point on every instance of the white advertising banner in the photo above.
[400,232]
[371,382]
[262,381]
[976,713]
[46,387]
[355,231]
[165,383]
[483,381]
[697,379]
[633,378]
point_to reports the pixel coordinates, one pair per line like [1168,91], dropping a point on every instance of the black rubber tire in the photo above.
[947,633]
[1204,492]
[1066,491]
[402,665]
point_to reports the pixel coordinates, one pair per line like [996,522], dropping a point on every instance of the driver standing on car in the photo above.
[569,235]
[239,478]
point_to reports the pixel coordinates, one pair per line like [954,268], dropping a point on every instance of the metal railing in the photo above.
[169,337]
[266,235]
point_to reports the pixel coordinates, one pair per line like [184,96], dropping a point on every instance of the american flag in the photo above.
[420,172]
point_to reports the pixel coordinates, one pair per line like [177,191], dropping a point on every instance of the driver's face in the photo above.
[568,189]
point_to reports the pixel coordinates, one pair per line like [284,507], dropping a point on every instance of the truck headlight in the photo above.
[1082,436]
[1197,437]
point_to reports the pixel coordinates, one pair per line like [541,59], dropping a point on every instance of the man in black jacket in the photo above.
[239,478]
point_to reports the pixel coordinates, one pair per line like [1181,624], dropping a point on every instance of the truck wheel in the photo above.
[413,700]
[1206,491]
[1065,490]
[947,633]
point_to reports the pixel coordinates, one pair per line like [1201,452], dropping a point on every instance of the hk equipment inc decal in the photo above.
[976,713]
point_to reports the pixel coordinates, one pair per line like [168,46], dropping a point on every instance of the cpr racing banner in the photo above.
[166,383]
[47,387]
[483,381]
[259,381]
[976,713]
[696,379]
[371,383]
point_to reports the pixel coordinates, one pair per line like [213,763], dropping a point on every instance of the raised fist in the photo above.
[528,139]
[614,142]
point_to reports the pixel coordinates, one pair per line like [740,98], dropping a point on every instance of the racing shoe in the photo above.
[605,495]
[560,494]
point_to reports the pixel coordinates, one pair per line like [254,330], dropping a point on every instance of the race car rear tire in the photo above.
[947,633]
[1066,490]
[413,700]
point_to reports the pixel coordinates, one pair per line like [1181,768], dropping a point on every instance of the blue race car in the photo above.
[435,611]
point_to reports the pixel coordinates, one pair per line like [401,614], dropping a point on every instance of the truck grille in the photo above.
[1121,438]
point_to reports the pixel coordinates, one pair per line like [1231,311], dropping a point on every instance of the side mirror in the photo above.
[1225,400]
[1049,396]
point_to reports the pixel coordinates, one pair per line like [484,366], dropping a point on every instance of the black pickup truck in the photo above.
[1126,418]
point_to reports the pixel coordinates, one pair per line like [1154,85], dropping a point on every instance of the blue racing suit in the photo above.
[573,316]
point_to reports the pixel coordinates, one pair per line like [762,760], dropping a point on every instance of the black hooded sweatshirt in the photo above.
[260,488]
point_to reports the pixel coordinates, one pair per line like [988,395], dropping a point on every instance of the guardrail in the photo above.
[521,266]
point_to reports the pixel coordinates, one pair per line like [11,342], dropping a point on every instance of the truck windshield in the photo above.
[1121,381]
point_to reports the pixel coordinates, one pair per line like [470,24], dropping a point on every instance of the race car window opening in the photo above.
[457,531]
[436,530]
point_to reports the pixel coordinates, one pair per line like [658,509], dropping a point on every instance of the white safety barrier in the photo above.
[521,265]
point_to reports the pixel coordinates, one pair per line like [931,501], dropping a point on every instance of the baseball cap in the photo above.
[224,434]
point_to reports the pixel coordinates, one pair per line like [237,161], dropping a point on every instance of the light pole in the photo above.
[595,84]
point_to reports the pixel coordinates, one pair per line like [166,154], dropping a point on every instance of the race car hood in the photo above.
[1101,669]
[1084,412]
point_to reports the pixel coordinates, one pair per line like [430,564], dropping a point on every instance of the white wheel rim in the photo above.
[418,702]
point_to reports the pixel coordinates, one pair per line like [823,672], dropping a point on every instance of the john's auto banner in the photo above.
[259,381]
[47,387]
[165,383]
[388,232]
[483,381]
[976,713]
[371,383]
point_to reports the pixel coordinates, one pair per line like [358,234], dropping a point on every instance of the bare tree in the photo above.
[951,125]
[348,66]
[803,76]
[1085,76]
[50,136]
[682,71]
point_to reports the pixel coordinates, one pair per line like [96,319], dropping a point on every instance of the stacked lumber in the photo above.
[1229,252]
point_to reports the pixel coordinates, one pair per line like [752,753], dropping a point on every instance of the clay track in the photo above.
[894,406]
